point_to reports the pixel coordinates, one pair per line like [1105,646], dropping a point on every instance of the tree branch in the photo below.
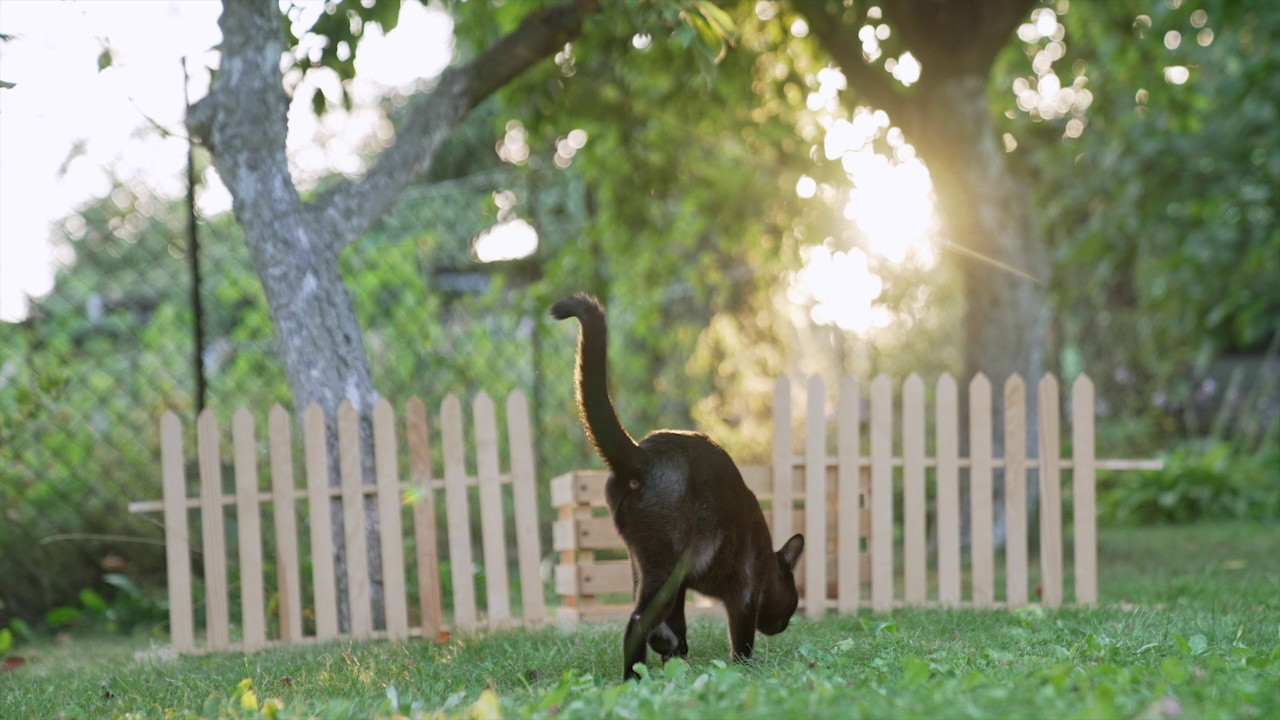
[350,207]
[842,44]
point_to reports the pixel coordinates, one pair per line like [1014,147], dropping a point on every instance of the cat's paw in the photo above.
[664,642]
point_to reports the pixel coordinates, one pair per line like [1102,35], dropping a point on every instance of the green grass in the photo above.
[1189,627]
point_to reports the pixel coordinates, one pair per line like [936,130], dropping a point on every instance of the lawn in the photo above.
[1189,627]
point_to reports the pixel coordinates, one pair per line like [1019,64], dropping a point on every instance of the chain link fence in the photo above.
[85,378]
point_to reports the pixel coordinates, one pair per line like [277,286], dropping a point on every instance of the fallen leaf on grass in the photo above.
[442,637]
[11,663]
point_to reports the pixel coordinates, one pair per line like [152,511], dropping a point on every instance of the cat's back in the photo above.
[695,465]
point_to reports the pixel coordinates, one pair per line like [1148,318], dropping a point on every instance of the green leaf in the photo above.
[93,601]
[844,646]
[6,640]
[62,616]
[609,698]
[6,85]
[1198,645]
[684,36]
[1184,648]
[914,669]
[877,627]
[123,583]
[717,18]
[318,102]
[104,59]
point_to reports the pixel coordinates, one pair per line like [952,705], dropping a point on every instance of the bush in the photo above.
[1201,480]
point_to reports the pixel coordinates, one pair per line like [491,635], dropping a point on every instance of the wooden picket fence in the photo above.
[394,499]
[843,503]
[845,506]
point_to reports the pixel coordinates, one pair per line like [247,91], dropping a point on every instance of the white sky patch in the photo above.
[61,101]
[420,47]
[506,241]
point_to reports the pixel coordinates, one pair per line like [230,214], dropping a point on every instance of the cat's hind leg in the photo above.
[668,639]
[656,599]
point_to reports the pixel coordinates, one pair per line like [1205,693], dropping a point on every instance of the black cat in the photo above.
[687,518]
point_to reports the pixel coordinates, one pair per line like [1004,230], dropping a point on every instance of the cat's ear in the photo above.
[790,553]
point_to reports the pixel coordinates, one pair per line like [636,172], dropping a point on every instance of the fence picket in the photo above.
[390,528]
[492,530]
[815,500]
[456,509]
[783,497]
[913,490]
[356,545]
[882,590]
[320,514]
[1084,512]
[286,524]
[524,494]
[425,539]
[848,491]
[1050,494]
[214,546]
[947,426]
[981,522]
[177,538]
[1015,490]
[249,524]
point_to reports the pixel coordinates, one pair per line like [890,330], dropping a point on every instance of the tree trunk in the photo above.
[321,347]
[317,332]
[991,233]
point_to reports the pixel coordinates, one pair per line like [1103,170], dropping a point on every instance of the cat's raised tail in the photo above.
[616,447]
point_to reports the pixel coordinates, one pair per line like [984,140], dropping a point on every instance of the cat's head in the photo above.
[780,605]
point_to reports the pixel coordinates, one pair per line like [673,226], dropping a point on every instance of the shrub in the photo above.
[1201,480]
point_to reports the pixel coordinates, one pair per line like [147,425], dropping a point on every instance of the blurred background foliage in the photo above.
[659,165]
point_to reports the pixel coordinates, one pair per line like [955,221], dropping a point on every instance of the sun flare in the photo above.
[891,206]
